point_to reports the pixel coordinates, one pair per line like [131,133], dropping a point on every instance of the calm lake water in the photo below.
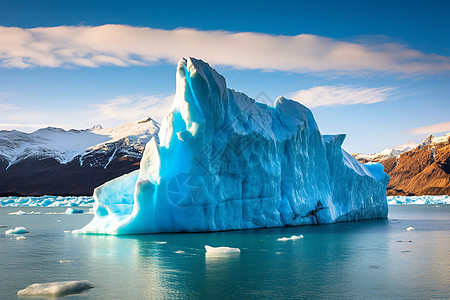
[358,260]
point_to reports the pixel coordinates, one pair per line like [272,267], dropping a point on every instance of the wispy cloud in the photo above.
[6,106]
[330,95]
[432,129]
[134,107]
[122,45]
[109,113]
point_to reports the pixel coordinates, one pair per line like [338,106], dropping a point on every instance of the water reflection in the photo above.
[369,259]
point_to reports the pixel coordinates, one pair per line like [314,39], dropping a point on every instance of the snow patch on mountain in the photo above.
[386,153]
[65,145]
[396,151]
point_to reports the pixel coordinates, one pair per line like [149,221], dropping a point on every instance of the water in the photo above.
[358,260]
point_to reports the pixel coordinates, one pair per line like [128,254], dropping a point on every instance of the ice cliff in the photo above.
[226,162]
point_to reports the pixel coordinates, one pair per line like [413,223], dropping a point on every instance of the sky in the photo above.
[378,71]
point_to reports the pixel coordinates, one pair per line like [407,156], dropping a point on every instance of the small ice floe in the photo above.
[221,251]
[17,230]
[21,213]
[62,261]
[180,252]
[71,211]
[58,220]
[55,289]
[161,243]
[292,238]
[20,238]
[18,213]
[410,228]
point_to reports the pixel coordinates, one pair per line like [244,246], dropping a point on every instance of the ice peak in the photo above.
[148,119]
[96,127]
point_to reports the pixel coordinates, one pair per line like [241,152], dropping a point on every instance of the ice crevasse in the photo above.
[227,162]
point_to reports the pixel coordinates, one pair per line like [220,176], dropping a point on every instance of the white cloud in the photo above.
[133,107]
[109,113]
[329,95]
[122,45]
[6,106]
[432,129]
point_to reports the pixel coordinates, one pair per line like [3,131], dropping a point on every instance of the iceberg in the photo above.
[292,238]
[55,289]
[17,230]
[221,251]
[227,162]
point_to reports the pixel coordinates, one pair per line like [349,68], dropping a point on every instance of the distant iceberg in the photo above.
[45,201]
[226,162]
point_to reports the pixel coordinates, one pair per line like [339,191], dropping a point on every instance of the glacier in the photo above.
[227,162]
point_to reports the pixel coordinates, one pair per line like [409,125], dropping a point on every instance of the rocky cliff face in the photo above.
[422,170]
[53,161]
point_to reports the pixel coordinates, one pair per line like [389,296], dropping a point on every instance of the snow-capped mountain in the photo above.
[385,154]
[421,169]
[29,161]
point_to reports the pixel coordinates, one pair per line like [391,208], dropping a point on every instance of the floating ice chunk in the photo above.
[46,201]
[19,213]
[161,243]
[292,238]
[62,261]
[20,238]
[425,199]
[71,211]
[410,228]
[17,230]
[218,251]
[180,252]
[55,289]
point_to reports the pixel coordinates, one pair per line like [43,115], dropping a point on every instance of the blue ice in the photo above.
[226,162]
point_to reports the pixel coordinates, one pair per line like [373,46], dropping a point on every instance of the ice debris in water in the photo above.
[410,228]
[55,289]
[62,261]
[426,199]
[20,238]
[226,162]
[47,201]
[19,213]
[219,251]
[292,238]
[71,211]
[17,230]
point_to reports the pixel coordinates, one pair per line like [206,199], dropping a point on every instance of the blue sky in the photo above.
[376,70]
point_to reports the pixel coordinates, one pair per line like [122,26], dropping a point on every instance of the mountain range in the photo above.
[416,169]
[53,161]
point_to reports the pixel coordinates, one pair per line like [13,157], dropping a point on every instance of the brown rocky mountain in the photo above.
[422,170]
